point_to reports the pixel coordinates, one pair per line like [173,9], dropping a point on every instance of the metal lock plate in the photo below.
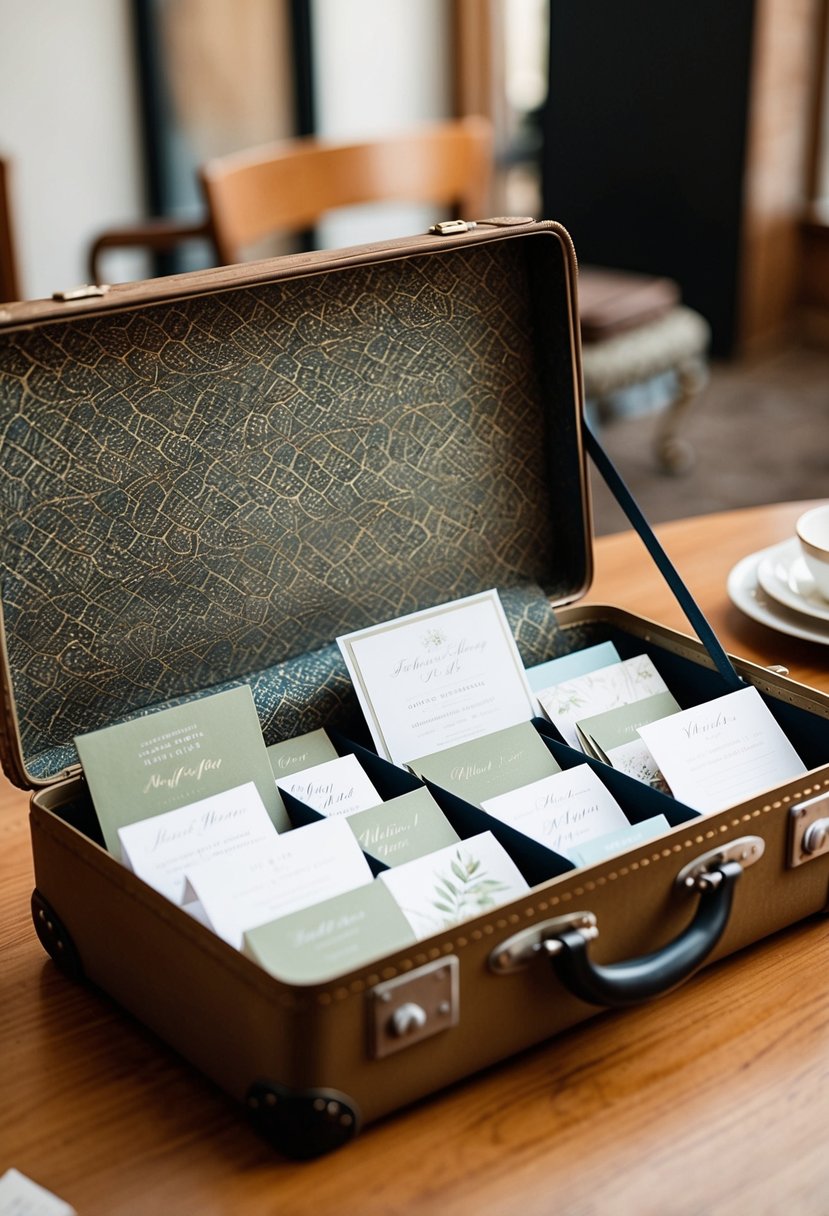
[809,830]
[413,1007]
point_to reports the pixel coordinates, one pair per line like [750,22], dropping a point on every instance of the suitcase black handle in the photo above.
[638,979]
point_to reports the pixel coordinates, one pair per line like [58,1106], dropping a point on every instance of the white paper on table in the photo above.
[20,1196]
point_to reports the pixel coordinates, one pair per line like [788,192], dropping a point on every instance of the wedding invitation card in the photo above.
[330,938]
[619,684]
[562,811]
[456,884]
[438,677]
[335,787]
[403,828]
[290,871]
[490,765]
[716,754]
[176,756]
[161,850]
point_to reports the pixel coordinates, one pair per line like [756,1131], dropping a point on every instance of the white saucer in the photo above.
[745,591]
[784,575]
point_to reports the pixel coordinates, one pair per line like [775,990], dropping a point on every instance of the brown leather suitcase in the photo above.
[208,478]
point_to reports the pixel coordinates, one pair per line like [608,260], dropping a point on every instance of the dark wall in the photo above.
[644,140]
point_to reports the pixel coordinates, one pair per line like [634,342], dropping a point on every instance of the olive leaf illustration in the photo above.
[465,890]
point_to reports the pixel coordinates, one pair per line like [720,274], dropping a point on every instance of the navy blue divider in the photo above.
[638,800]
[536,862]
[389,781]
[300,815]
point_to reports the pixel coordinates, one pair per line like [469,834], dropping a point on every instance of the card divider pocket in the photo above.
[638,800]
[693,683]
[536,861]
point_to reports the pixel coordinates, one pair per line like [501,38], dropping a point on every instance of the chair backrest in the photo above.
[9,279]
[289,186]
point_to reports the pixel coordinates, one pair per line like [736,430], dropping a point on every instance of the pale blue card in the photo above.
[618,842]
[568,666]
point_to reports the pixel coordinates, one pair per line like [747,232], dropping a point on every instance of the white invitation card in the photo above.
[561,811]
[454,884]
[291,871]
[438,677]
[161,849]
[335,787]
[723,751]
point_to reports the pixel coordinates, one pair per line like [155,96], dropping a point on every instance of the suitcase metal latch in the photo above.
[413,1007]
[87,291]
[451,227]
[809,830]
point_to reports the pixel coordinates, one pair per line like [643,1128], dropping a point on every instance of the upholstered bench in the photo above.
[634,328]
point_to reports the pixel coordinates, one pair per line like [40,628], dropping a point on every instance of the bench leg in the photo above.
[674,454]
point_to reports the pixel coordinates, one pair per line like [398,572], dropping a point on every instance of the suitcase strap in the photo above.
[686,601]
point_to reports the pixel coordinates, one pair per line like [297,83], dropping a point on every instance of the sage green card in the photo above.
[177,756]
[293,755]
[332,937]
[604,732]
[489,765]
[403,828]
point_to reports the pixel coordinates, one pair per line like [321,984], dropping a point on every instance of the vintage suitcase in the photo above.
[205,479]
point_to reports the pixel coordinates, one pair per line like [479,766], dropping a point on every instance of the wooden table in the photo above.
[713,1099]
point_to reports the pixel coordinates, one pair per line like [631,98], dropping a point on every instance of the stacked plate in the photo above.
[775,587]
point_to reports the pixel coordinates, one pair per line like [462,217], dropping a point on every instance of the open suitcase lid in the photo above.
[206,479]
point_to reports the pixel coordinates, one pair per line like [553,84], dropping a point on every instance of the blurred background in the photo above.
[687,142]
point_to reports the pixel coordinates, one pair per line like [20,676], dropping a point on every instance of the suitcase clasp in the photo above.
[451,227]
[413,1006]
[809,830]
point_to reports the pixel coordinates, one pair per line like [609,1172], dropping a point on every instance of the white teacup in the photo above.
[813,533]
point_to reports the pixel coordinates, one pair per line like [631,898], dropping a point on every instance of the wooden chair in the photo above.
[288,187]
[9,278]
